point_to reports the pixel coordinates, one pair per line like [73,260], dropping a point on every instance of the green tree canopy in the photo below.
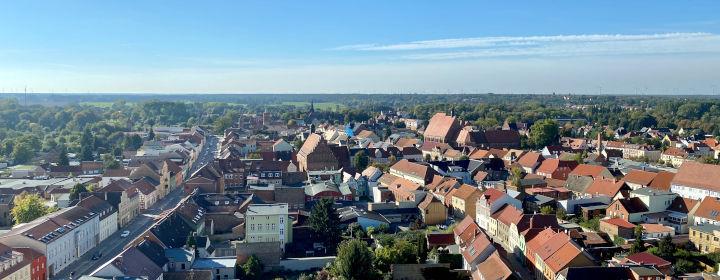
[63,159]
[22,152]
[360,160]
[76,190]
[638,244]
[29,207]
[354,261]
[544,132]
[253,268]
[325,223]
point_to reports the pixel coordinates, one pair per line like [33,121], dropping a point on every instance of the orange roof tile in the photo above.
[698,175]
[608,187]
[709,208]
[639,177]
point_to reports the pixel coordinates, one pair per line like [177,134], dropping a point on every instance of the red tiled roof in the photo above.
[412,169]
[608,187]
[508,214]
[463,225]
[441,125]
[662,180]
[698,175]
[479,243]
[709,208]
[466,192]
[589,170]
[491,195]
[493,268]
[639,177]
[618,222]
[530,159]
[647,259]
[440,239]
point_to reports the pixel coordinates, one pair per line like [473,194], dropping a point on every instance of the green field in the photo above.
[97,104]
[325,106]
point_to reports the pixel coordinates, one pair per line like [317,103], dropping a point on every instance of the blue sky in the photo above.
[625,47]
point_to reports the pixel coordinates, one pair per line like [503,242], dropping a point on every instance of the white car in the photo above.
[125,233]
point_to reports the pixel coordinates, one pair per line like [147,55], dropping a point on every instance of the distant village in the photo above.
[189,204]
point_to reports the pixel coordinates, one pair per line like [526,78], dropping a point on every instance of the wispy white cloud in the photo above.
[559,45]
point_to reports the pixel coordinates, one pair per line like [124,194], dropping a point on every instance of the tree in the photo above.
[561,214]
[638,244]
[666,248]
[397,251]
[544,132]
[86,145]
[151,134]
[547,210]
[253,268]
[190,241]
[76,190]
[109,162]
[427,157]
[63,159]
[516,175]
[324,222]
[360,160]
[354,261]
[29,207]
[133,142]
[22,152]
[422,250]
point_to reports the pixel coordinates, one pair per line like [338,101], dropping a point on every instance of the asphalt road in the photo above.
[113,245]
[208,153]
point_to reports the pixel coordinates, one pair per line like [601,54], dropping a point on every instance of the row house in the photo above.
[172,177]
[147,192]
[524,229]
[108,221]
[63,237]
[707,212]
[499,224]
[556,168]
[441,187]
[122,196]
[696,180]
[415,172]
[530,161]
[705,237]
[634,151]
[14,265]
[550,252]
[464,199]
[674,156]
[490,202]
[21,263]
[268,223]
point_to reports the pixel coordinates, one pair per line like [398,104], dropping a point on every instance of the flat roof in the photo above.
[267,209]
[202,263]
